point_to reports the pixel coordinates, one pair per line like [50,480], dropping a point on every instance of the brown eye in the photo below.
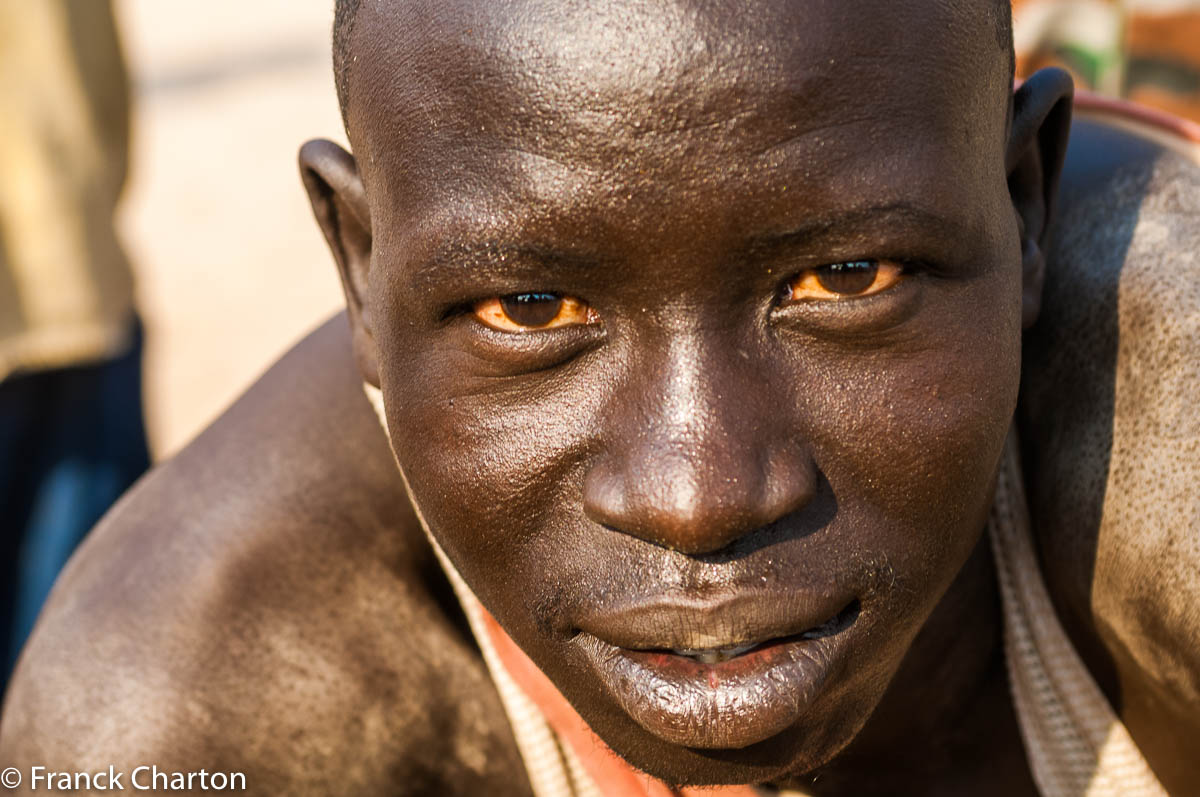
[523,312]
[845,280]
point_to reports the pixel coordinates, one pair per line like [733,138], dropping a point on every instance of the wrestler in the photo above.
[698,334]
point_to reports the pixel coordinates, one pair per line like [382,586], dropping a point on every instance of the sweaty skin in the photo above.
[266,602]
[712,462]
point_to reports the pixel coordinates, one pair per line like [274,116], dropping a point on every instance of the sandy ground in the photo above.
[231,268]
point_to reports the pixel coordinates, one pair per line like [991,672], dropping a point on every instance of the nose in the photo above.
[699,459]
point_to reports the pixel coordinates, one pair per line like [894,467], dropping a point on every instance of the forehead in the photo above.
[472,101]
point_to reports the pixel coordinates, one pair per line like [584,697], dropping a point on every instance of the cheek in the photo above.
[494,465]
[915,435]
[930,436]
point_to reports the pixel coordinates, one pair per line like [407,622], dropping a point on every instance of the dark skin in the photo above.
[293,625]
[686,194]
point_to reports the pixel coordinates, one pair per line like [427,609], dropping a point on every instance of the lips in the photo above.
[717,655]
[719,675]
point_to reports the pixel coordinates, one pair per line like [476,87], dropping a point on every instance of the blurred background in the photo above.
[155,243]
[1147,51]
[157,252]
[230,268]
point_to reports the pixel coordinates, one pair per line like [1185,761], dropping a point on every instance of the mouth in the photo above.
[833,625]
[722,696]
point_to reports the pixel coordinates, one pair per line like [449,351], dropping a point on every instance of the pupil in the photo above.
[848,278]
[531,309]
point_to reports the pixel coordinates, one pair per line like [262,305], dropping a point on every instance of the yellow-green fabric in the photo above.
[66,292]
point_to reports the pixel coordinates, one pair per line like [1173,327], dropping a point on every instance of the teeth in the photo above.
[714,656]
[825,629]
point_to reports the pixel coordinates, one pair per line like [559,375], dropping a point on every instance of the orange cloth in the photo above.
[610,772]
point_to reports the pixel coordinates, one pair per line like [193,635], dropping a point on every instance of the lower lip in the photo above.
[727,705]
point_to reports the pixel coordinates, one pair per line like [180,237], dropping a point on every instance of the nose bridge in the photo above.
[681,394]
[674,470]
[694,460]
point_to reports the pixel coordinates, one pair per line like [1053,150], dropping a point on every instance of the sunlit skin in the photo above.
[699,328]
[746,334]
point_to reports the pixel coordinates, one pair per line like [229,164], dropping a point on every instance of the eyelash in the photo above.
[556,310]
[493,307]
[818,284]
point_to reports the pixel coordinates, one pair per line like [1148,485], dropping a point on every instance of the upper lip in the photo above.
[740,618]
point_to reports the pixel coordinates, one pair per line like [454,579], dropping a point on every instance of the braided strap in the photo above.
[1077,747]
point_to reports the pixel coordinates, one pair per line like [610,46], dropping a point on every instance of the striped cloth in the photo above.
[1147,51]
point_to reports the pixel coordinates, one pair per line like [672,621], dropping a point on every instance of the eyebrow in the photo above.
[902,213]
[498,257]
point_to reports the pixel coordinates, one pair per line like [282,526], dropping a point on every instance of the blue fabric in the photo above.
[71,441]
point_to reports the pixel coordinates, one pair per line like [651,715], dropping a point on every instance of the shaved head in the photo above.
[998,14]
[669,181]
[344,15]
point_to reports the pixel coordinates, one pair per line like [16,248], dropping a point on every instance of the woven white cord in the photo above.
[1077,747]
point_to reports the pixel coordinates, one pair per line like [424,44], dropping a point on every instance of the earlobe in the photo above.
[1037,146]
[339,203]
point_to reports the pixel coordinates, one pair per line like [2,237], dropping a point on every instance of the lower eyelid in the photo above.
[856,316]
[510,354]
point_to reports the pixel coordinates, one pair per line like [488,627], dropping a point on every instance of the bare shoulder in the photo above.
[266,603]
[1112,438]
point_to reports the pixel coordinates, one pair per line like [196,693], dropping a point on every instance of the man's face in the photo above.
[697,330]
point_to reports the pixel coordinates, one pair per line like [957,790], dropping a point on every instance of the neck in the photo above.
[947,718]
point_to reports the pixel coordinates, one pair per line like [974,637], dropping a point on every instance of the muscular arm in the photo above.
[265,603]
[1112,435]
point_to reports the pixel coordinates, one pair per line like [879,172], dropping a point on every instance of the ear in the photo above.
[1037,144]
[340,204]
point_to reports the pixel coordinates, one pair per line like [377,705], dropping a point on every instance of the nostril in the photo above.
[696,529]
[692,508]
[670,507]
[604,499]
[791,483]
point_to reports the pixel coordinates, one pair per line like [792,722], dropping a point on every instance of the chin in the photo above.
[772,761]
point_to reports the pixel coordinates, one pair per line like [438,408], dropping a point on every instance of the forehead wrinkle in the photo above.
[547,117]
[465,78]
